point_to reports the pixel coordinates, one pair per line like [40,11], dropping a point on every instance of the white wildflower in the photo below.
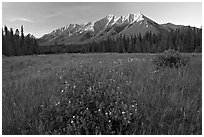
[57,103]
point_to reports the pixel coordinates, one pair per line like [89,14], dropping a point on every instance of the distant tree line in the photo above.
[16,44]
[186,40]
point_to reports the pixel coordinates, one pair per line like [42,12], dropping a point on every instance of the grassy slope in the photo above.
[128,95]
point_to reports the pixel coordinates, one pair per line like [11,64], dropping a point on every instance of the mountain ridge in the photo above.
[108,26]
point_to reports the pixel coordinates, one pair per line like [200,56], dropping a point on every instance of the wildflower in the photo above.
[128,82]
[90,88]
[110,112]
[57,103]
[67,86]
[123,112]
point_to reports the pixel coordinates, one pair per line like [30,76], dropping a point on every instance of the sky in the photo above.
[39,18]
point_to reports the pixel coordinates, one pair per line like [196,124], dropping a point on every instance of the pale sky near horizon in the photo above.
[40,18]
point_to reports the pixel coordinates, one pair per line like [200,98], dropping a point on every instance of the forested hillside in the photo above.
[187,39]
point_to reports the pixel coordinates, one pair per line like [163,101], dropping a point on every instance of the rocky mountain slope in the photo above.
[109,26]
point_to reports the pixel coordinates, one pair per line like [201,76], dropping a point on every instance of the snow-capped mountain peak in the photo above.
[139,17]
[108,26]
[110,16]
[120,19]
[131,18]
[100,25]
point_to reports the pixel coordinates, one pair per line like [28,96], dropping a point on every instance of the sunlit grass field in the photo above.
[100,94]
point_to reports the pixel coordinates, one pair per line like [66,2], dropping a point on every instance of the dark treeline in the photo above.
[186,40]
[16,44]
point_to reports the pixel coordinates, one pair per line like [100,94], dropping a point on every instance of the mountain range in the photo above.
[109,26]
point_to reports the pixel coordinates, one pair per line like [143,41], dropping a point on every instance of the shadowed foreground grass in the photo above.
[100,94]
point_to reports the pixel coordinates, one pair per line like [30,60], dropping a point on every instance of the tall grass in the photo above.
[100,94]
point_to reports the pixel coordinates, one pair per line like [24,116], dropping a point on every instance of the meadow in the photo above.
[100,94]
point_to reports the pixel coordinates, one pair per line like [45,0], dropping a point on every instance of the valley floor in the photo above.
[105,93]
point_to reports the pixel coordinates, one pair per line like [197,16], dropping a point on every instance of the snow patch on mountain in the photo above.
[131,18]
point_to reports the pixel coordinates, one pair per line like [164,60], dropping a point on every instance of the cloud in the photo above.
[21,19]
